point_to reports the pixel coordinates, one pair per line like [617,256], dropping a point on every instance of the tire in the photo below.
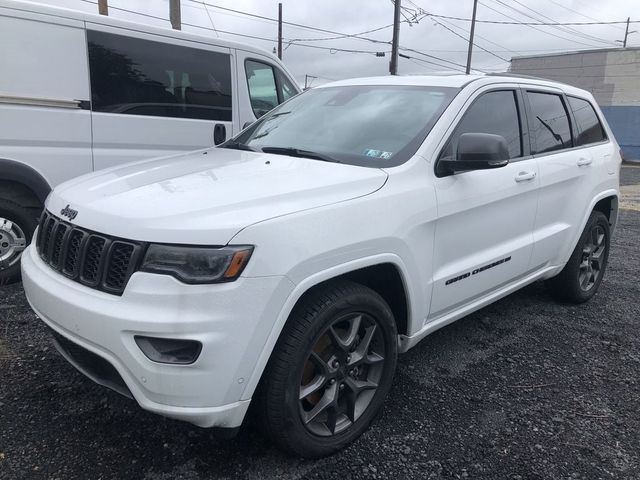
[295,371]
[17,225]
[580,279]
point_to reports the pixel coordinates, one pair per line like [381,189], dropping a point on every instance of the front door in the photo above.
[484,236]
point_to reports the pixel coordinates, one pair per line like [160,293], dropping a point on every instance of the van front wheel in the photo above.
[16,230]
[330,371]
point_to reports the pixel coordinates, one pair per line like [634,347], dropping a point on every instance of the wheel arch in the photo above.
[23,182]
[605,202]
[369,272]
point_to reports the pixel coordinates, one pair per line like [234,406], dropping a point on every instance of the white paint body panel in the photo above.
[310,221]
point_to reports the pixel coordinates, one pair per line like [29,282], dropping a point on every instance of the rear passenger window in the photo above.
[263,92]
[590,130]
[142,77]
[551,127]
[495,113]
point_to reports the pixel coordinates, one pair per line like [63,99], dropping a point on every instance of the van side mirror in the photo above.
[219,133]
[476,151]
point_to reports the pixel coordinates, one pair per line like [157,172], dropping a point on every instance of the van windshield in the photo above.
[372,125]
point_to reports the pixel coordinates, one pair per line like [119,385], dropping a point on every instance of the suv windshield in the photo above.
[372,125]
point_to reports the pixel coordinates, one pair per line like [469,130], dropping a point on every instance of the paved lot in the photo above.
[524,389]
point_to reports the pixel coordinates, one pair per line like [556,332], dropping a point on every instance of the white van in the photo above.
[82,92]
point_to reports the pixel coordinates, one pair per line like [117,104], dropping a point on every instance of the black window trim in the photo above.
[595,111]
[525,141]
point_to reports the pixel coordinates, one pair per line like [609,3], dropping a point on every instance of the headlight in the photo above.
[197,264]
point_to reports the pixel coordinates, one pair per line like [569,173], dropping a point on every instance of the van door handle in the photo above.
[583,162]
[525,176]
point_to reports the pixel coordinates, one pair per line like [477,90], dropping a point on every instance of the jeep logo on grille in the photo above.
[69,212]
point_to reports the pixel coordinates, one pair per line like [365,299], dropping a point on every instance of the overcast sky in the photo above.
[425,36]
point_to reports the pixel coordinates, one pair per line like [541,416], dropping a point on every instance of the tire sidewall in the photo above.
[373,305]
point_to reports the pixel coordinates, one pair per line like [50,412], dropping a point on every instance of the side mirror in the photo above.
[219,133]
[476,151]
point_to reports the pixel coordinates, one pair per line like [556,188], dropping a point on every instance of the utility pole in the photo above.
[280,31]
[103,7]
[627,33]
[393,64]
[174,14]
[473,28]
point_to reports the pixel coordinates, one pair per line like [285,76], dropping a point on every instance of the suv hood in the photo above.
[208,196]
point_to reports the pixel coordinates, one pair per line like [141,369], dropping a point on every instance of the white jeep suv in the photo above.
[291,264]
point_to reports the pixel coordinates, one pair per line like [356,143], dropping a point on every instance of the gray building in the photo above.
[612,75]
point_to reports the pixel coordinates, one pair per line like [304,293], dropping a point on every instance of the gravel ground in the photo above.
[524,389]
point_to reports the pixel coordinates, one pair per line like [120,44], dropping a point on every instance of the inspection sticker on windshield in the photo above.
[377,153]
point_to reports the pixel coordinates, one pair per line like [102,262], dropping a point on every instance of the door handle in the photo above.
[525,176]
[583,162]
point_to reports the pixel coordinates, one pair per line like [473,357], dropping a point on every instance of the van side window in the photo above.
[551,127]
[590,130]
[263,91]
[141,77]
[493,112]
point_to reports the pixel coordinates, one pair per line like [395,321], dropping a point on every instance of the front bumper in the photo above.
[232,321]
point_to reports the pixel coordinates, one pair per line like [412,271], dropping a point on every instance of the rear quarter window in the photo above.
[590,130]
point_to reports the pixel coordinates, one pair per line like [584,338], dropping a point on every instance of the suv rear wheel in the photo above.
[583,273]
[330,370]
[16,229]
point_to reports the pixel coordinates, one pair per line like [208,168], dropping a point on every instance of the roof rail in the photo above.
[529,77]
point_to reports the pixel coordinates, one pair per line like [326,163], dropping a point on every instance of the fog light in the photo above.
[169,350]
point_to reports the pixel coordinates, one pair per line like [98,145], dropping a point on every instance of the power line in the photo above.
[500,22]
[474,43]
[569,30]
[581,14]
[533,26]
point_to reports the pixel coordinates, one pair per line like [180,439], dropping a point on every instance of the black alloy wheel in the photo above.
[593,253]
[341,374]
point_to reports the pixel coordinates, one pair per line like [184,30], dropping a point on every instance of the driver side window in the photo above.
[493,112]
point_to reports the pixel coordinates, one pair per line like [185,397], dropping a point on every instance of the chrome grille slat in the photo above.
[98,261]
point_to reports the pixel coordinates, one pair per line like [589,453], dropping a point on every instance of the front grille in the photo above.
[98,261]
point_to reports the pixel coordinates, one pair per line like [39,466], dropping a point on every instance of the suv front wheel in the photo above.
[330,370]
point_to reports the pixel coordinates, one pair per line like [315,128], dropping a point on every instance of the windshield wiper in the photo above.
[238,146]
[296,152]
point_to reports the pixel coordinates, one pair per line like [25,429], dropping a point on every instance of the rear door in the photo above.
[262,85]
[155,96]
[566,167]
[483,236]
